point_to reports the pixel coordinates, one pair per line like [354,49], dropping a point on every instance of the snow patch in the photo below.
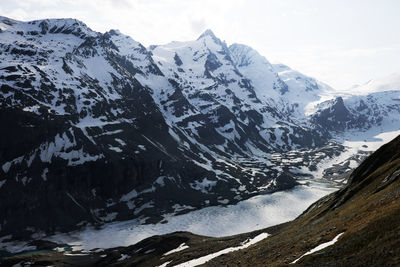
[209,257]
[2,183]
[116,149]
[124,257]
[164,264]
[204,186]
[44,174]
[320,247]
[129,196]
[180,248]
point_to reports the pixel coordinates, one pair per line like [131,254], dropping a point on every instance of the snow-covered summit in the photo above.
[52,26]
[244,55]
[258,69]
[388,83]
[208,33]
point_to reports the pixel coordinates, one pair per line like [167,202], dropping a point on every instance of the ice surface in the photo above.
[355,141]
[255,213]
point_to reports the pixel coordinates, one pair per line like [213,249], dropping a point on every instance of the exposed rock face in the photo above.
[96,128]
[335,117]
[359,112]
[357,225]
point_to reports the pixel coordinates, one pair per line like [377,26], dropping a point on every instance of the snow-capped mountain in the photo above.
[388,83]
[376,103]
[238,91]
[288,90]
[96,127]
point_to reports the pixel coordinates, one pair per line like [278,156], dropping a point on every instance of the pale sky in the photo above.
[340,42]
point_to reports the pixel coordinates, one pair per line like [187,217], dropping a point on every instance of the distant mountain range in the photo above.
[95,127]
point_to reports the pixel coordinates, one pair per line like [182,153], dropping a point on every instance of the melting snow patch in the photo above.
[149,251]
[109,217]
[142,147]
[25,180]
[178,207]
[124,257]
[164,264]
[320,247]
[44,173]
[122,143]
[34,109]
[223,201]
[6,166]
[116,149]
[112,132]
[30,160]
[180,248]
[76,254]
[2,183]
[204,186]
[160,181]
[144,206]
[209,257]
[129,196]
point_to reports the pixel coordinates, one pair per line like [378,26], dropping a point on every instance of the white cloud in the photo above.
[198,25]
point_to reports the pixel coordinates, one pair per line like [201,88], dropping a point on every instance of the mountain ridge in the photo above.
[97,128]
[357,225]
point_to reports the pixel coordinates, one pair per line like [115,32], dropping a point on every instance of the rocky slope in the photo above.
[98,128]
[376,103]
[357,225]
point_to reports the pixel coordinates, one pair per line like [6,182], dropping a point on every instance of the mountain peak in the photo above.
[44,26]
[64,25]
[114,32]
[207,32]
[7,21]
[211,34]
